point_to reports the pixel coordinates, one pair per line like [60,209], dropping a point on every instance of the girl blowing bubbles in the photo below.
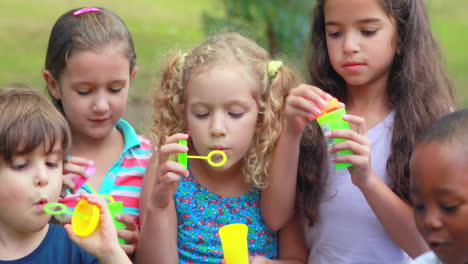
[379,57]
[90,62]
[222,95]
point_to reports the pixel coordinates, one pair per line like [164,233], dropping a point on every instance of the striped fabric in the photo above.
[123,181]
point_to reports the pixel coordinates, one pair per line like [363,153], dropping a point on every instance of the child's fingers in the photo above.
[67,183]
[132,237]
[356,148]
[174,167]
[129,249]
[96,200]
[175,138]
[131,232]
[313,93]
[358,121]
[348,134]
[304,105]
[299,112]
[169,179]
[171,148]
[79,160]
[356,160]
[128,221]
[71,168]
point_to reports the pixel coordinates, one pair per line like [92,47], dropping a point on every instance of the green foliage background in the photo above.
[159,26]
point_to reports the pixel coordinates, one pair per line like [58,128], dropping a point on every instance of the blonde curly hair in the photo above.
[169,104]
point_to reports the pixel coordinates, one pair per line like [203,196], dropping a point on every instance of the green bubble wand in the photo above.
[182,158]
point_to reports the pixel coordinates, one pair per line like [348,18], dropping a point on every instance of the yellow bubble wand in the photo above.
[85,217]
[183,157]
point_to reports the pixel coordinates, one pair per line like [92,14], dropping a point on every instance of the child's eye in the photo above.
[369,32]
[334,34]
[52,164]
[419,208]
[236,115]
[449,208]
[19,165]
[115,90]
[201,116]
[83,92]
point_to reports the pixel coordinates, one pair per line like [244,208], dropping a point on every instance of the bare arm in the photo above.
[158,241]
[395,215]
[147,186]
[277,200]
[292,247]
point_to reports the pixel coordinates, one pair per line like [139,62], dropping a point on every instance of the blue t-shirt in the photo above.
[56,247]
[201,213]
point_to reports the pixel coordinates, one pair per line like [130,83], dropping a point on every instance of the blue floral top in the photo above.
[201,213]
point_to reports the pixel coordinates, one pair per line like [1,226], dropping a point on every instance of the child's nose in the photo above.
[432,220]
[351,44]
[217,126]
[100,104]
[42,178]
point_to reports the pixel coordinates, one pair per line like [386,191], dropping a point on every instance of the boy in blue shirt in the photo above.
[33,139]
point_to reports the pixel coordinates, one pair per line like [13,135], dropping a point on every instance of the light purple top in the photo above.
[348,230]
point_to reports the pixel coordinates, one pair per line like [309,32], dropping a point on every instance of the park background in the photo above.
[159,27]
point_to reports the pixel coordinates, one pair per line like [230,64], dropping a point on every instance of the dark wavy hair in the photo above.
[418,88]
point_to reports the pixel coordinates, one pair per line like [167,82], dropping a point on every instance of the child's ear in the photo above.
[134,73]
[51,84]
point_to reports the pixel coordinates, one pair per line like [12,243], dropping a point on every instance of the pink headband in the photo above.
[86,10]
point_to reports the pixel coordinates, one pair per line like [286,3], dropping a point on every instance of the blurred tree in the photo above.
[282,26]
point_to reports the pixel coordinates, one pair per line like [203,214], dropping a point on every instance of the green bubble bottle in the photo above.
[332,119]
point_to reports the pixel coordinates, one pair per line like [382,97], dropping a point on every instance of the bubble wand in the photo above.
[85,217]
[183,157]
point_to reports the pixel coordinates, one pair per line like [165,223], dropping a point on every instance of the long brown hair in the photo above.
[88,31]
[169,105]
[418,89]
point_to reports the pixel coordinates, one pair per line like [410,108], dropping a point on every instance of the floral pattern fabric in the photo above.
[201,213]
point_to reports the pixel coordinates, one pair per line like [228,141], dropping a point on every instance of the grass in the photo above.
[156,26]
[450,24]
[160,25]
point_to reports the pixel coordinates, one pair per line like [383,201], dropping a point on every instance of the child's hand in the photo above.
[359,143]
[302,104]
[131,233]
[73,167]
[102,243]
[169,172]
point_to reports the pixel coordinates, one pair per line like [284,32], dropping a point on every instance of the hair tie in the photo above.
[86,10]
[182,59]
[273,67]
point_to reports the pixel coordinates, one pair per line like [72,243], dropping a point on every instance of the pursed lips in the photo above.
[219,147]
[41,203]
